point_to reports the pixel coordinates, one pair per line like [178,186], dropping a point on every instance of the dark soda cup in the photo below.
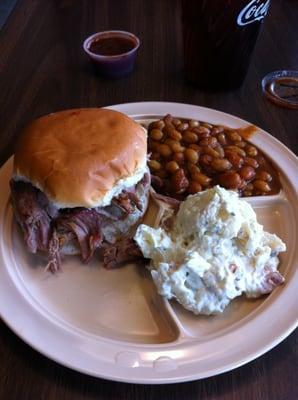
[219,37]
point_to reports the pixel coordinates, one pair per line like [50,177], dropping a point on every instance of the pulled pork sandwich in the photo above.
[80,182]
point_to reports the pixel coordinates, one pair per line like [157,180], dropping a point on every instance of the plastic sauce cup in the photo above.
[112,52]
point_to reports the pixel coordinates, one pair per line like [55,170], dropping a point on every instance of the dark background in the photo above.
[43,69]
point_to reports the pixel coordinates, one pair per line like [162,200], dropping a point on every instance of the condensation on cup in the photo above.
[219,37]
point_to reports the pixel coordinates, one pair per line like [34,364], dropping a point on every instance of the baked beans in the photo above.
[188,156]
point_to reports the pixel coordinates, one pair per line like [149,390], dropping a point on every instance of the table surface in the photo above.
[43,69]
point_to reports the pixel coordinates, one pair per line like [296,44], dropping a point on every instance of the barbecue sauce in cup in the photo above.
[111,46]
[112,52]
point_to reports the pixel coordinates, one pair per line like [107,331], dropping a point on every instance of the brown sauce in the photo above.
[111,46]
[247,132]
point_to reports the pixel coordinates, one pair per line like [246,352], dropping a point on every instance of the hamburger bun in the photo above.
[82,157]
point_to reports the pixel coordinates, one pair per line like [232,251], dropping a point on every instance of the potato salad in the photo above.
[214,251]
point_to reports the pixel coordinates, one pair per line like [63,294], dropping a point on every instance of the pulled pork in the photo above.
[124,250]
[47,228]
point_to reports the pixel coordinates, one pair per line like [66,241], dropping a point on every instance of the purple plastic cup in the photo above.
[112,65]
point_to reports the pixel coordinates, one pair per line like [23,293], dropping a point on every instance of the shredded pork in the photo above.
[47,228]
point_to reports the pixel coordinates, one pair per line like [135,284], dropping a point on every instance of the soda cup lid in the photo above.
[281,87]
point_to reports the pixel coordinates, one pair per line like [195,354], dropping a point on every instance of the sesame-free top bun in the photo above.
[82,157]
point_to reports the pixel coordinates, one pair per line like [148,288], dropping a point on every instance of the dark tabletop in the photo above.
[43,69]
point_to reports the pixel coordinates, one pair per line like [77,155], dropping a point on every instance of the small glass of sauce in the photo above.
[113,52]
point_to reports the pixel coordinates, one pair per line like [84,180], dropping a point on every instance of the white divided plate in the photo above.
[113,325]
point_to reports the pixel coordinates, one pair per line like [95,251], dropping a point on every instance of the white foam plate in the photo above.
[113,324]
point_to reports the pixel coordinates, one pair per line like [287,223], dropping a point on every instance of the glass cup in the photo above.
[219,37]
